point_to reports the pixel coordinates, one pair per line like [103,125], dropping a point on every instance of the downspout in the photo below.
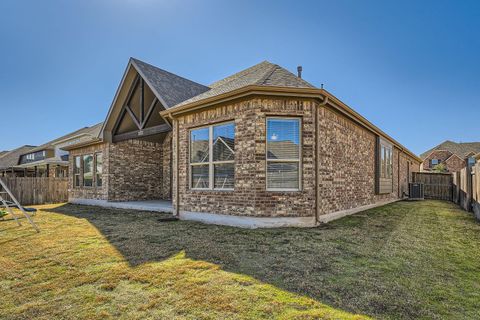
[317,143]
[177,184]
[398,174]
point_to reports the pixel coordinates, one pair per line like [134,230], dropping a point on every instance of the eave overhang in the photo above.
[313,93]
[49,161]
[127,79]
[82,144]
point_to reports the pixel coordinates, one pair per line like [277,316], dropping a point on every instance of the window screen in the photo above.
[283,153]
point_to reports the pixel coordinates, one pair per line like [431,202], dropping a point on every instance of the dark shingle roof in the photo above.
[11,158]
[93,131]
[262,74]
[461,149]
[171,88]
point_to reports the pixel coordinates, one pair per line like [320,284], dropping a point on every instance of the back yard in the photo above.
[404,260]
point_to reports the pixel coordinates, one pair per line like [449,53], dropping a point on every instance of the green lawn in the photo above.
[405,260]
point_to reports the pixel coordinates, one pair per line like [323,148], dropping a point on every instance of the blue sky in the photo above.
[410,67]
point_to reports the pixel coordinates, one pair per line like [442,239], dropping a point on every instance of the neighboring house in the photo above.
[262,147]
[9,161]
[49,159]
[453,156]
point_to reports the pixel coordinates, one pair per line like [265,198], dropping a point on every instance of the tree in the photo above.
[439,168]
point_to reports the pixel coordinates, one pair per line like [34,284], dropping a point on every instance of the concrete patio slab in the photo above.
[146,205]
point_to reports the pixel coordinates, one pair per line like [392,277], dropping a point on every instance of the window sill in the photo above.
[283,190]
[214,190]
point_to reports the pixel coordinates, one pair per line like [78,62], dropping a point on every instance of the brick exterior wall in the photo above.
[455,164]
[250,197]
[166,192]
[346,162]
[452,162]
[347,165]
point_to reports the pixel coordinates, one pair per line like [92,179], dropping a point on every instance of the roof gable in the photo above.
[169,88]
[461,149]
[11,158]
[262,74]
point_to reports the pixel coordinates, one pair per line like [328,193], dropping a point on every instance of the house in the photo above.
[453,156]
[48,159]
[9,160]
[262,147]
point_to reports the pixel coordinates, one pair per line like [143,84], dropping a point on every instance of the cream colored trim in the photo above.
[82,144]
[288,92]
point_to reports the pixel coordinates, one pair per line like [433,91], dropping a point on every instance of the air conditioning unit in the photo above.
[415,191]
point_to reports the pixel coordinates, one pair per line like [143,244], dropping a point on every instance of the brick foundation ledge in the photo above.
[248,221]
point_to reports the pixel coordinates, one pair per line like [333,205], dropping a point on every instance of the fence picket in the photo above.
[32,191]
[436,185]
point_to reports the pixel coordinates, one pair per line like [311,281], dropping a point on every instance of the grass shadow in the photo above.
[361,264]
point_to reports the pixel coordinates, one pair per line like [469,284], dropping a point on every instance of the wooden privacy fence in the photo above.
[31,191]
[466,189]
[436,185]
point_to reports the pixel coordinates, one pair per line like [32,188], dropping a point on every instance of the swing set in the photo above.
[9,205]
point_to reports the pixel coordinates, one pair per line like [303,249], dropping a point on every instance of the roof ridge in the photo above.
[163,70]
[239,74]
[169,88]
[268,74]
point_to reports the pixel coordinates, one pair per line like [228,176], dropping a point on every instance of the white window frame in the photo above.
[299,160]
[211,164]
[386,167]
[79,173]
[93,170]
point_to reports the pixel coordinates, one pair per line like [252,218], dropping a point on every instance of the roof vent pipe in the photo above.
[299,71]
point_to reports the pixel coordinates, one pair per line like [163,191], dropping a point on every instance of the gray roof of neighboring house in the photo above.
[262,74]
[93,131]
[171,88]
[461,149]
[11,158]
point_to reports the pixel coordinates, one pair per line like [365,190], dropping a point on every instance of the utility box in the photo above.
[415,191]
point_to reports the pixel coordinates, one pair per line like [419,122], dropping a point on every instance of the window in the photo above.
[384,175]
[471,161]
[98,169]
[88,170]
[212,155]
[283,154]
[76,171]
[434,162]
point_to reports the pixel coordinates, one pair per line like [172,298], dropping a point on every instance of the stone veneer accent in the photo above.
[132,170]
[135,170]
